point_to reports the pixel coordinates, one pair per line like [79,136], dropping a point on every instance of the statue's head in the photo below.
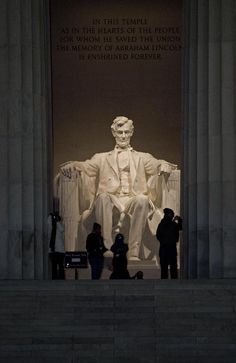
[122,129]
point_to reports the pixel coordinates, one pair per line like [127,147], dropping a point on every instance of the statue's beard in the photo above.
[123,144]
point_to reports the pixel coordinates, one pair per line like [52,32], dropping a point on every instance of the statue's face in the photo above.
[122,135]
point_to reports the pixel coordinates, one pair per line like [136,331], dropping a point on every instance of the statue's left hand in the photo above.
[167,168]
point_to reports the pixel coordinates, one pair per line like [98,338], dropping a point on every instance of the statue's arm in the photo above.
[155,166]
[163,182]
[89,167]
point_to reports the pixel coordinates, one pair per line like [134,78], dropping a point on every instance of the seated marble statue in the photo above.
[125,181]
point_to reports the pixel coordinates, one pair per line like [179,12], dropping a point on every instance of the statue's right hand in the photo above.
[67,168]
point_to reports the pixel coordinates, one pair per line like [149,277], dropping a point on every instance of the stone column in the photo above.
[24,141]
[209,181]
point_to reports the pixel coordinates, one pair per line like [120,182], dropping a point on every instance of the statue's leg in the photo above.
[120,222]
[103,214]
[138,209]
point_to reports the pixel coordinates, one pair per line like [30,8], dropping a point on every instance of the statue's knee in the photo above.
[142,200]
[103,199]
[103,196]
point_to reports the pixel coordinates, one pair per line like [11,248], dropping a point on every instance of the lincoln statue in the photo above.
[122,181]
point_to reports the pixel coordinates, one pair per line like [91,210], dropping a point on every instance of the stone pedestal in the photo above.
[150,270]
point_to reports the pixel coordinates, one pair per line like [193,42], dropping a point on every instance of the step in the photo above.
[118,321]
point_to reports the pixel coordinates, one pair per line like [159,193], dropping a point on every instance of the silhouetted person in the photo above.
[138,276]
[168,236]
[96,248]
[119,261]
[56,239]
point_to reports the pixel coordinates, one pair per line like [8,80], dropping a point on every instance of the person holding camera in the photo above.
[56,245]
[168,235]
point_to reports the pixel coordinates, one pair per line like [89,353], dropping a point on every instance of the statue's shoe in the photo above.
[108,254]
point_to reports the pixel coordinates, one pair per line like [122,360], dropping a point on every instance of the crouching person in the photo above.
[119,261]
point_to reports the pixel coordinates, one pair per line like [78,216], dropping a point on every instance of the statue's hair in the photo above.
[119,121]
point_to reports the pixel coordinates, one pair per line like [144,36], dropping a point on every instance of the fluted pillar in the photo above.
[209,181]
[24,130]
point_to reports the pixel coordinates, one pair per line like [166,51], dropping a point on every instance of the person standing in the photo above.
[56,239]
[168,235]
[119,261]
[96,249]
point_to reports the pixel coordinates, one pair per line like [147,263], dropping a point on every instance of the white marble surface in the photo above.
[134,185]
